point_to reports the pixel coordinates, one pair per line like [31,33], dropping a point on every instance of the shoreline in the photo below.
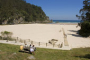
[45,23]
[65,23]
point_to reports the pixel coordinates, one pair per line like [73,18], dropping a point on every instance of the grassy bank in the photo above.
[10,52]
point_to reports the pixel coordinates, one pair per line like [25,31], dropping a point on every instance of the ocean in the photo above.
[66,21]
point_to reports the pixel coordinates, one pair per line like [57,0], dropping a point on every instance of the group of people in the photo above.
[30,48]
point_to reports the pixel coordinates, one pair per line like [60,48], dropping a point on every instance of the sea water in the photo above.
[66,21]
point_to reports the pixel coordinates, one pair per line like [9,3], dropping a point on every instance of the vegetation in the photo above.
[18,11]
[85,29]
[5,35]
[10,52]
[85,17]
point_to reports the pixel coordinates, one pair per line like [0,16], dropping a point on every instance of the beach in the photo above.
[45,32]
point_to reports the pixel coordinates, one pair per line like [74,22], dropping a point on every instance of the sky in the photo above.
[59,9]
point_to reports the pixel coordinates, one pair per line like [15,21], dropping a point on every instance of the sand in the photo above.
[45,32]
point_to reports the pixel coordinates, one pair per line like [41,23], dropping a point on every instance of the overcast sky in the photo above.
[59,9]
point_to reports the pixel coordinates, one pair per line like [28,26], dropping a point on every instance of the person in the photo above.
[21,47]
[32,49]
[30,46]
[26,47]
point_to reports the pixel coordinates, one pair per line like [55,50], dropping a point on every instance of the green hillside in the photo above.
[18,11]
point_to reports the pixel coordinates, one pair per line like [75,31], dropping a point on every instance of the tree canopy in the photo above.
[18,11]
[85,19]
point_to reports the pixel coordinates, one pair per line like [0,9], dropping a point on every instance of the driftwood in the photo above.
[53,41]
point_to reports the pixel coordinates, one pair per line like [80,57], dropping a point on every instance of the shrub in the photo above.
[6,35]
[85,29]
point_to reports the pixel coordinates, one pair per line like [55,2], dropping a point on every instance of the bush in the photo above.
[0,37]
[85,29]
[6,35]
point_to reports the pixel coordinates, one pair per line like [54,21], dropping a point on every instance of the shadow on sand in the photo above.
[86,56]
[72,31]
[76,35]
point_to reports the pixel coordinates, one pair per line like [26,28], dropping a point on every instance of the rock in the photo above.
[31,57]
[14,53]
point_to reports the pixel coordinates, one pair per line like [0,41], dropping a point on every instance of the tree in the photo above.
[85,19]
[12,10]
[85,11]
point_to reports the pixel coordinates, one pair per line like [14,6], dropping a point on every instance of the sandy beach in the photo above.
[45,32]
